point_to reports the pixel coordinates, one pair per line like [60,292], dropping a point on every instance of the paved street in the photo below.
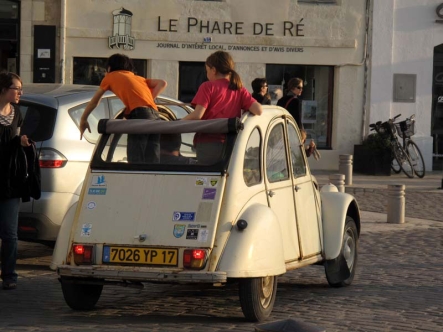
[398,287]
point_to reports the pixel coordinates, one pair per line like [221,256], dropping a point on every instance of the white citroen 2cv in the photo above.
[252,214]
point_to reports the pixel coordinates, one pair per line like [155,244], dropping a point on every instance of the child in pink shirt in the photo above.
[223,96]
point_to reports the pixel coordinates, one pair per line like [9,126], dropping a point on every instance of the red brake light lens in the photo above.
[82,254]
[194,259]
[50,158]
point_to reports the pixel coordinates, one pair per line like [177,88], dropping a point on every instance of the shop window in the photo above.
[90,71]
[191,76]
[318,1]
[316,97]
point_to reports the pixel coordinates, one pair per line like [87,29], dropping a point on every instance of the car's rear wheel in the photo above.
[80,296]
[349,252]
[257,297]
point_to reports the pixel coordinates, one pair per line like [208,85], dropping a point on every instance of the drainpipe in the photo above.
[63,41]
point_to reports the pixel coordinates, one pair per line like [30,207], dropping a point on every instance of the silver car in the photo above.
[51,116]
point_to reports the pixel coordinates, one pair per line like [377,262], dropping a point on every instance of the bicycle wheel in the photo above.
[402,159]
[395,166]
[416,158]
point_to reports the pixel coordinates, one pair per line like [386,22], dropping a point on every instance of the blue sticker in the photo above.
[209,193]
[179,230]
[187,216]
[106,254]
[98,181]
[97,191]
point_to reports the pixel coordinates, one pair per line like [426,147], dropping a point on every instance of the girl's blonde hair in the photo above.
[224,64]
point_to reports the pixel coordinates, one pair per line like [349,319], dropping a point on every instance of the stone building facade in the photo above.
[324,42]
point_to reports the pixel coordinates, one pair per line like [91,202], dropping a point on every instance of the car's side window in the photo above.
[276,165]
[297,160]
[251,163]
[100,112]
[116,105]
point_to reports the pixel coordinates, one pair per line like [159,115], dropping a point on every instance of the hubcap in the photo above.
[267,288]
[349,248]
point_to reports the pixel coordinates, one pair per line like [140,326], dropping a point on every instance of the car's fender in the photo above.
[334,207]
[62,244]
[257,250]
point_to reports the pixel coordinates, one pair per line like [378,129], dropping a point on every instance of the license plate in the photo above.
[147,256]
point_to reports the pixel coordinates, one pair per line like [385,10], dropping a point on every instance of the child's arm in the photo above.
[88,110]
[156,86]
[197,114]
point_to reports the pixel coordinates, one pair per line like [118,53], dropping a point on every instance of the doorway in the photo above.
[437,109]
[9,35]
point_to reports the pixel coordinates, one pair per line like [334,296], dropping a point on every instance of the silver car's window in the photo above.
[276,165]
[297,160]
[115,105]
[251,164]
[93,119]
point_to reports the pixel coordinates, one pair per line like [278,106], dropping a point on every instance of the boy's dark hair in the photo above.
[119,62]
[170,142]
[257,84]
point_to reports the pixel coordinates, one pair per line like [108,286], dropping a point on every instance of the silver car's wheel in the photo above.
[80,296]
[349,251]
[257,297]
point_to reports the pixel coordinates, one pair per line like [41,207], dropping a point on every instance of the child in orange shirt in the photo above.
[137,94]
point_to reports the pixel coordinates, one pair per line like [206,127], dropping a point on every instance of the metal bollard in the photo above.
[396,203]
[345,167]
[338,180]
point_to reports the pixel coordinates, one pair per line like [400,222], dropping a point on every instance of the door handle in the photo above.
[297,188]
[271,193]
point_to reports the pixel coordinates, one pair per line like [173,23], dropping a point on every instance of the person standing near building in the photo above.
[223,96]
[137,94]
[10,183]
[260,91]
[291,101]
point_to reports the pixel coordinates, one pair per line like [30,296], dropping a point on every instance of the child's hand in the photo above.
[83,126]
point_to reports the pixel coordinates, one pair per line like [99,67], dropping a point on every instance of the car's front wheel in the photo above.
[80,296]
[257,297]
[349,251]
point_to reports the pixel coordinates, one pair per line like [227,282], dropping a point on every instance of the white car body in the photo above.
[250,230]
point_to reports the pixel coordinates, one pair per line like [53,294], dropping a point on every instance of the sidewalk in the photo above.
[423,196]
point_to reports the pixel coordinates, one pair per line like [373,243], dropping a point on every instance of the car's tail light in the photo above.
[82,254]
[194,259]
[50,158]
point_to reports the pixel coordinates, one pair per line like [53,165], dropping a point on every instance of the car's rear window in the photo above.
[39,121]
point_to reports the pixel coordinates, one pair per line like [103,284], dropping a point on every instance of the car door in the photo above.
[308,217]
[280,188]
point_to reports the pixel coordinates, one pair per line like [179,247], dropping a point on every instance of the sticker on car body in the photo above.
[86,230]
[201,181]
[192,234]
[97,191]
[203,235]
[209,193]
[91,205]
[213,182]
[183,216]
[179,230]
[98,181]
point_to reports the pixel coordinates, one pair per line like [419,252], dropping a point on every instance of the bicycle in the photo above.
[405,129]
[401,158]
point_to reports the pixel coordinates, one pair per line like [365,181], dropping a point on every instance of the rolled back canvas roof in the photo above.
[140,126]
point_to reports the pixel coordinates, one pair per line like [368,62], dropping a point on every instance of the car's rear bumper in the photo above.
[135,273]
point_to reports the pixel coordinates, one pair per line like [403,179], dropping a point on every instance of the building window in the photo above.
[191,76]
[316,97]
[90,71]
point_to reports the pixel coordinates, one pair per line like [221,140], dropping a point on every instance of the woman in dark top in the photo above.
[291,101]
[10,182]
[260,88]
